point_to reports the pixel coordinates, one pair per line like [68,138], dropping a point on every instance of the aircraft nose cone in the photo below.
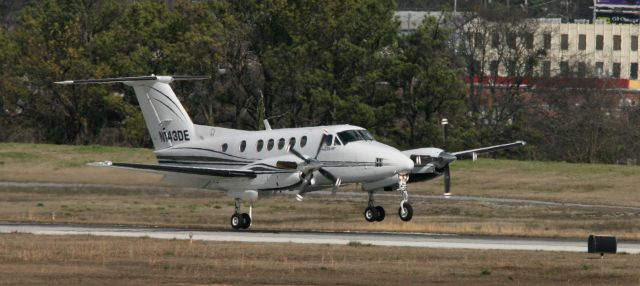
[405,163]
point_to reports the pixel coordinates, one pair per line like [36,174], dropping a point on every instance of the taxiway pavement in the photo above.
[318,237]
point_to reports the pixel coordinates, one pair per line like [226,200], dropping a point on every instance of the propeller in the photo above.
[312,164]
[446,158]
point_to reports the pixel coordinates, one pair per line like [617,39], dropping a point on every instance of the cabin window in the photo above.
[303,141]
[270,144]
[224,147]
[292,142]
[280,143]
[243,145]
[259,145]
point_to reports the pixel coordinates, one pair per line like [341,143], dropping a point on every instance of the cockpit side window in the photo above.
[328,140]
[337,142]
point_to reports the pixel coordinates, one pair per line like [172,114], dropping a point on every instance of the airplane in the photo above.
[252,164]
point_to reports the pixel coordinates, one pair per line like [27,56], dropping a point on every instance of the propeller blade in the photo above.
[295,152]
[445,132]
[336,186]
[447,181]
[325,133]
[303,189]
[336,180]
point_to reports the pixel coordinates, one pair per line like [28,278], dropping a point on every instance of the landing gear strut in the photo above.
[241,220]
[405,211]
[372,212]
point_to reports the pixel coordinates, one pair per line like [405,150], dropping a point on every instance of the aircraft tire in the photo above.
[236,221]
[380,213]
[370,214]
[408,214]
[246,220]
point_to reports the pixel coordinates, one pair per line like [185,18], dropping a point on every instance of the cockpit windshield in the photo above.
[354,135]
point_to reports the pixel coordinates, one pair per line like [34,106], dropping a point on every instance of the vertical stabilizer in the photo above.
[167,121]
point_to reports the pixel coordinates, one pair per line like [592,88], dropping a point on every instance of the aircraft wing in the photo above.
[202,171]
[469,154]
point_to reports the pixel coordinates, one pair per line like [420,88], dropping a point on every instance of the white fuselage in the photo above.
[359,161]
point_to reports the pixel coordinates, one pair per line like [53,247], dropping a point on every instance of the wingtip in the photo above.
[64,82]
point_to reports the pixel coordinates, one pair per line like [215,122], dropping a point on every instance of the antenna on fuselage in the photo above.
[267,126]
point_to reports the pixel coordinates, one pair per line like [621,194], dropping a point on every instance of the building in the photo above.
[581,48]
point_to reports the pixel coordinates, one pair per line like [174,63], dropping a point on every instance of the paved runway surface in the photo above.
[343,238]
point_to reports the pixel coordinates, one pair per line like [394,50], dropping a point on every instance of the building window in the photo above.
[495,40]
[633,73]
[564,68]
[475,67]
[547,41]
[582,42]
[634,43]
[225,147]
[582,69]
[243,145]
[494,68]
[303,141]
[546,69]
[616,42]
[599,42]
[280,143]
[599,68]
[478,40]
[616,70]
[270,144]
[528,40]
[564,42]
[259,145]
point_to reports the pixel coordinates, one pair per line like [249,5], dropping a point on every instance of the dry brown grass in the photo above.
[88,260]
[208,208]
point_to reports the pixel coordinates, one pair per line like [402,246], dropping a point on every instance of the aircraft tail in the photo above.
[167,121]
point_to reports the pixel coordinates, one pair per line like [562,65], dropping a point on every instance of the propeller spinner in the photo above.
[310,165]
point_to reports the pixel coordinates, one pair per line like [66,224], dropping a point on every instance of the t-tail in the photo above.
[167,121]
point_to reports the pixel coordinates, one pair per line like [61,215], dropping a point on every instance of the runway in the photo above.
[313,237]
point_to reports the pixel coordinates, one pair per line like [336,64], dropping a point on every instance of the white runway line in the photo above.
[339,238]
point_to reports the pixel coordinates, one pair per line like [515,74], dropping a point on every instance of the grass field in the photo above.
[169,206]
[88,260]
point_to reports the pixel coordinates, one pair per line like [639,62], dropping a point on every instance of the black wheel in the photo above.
[370,214]
[246,220]
[380,211]
[236,221]
[405,212]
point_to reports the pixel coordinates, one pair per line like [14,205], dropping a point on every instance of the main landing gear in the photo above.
[241,220]
[372,212]
[405,211]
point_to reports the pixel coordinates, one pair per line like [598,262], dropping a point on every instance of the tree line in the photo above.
[296,63]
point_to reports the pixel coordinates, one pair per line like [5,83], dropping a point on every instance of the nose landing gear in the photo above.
[405,211]
[241,220]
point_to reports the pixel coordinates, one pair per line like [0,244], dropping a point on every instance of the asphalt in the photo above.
[319,237]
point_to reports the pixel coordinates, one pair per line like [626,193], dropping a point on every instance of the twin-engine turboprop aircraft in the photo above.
[250,164]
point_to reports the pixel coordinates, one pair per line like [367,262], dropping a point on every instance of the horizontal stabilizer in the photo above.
[167,79]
